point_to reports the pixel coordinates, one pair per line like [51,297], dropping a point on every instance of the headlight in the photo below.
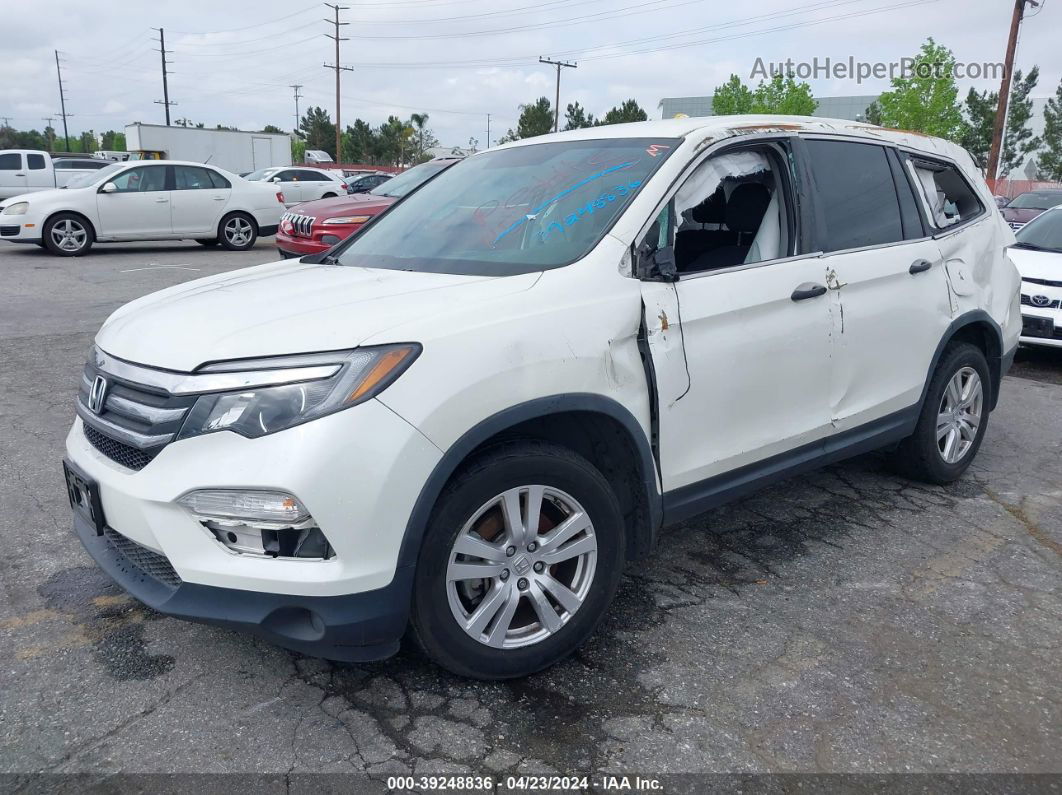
[359,375]
[347,219]
[18,208]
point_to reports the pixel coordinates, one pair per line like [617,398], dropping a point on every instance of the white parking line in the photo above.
[159,267]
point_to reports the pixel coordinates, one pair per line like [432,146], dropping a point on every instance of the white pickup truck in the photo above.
[27,170]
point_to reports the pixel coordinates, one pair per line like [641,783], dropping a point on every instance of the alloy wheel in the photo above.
[959,415]
[238,231]
[69,235]
[521,566]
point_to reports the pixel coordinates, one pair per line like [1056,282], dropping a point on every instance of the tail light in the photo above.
[280,197]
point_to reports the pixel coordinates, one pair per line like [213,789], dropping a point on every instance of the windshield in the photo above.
[1042,232]
[96,177]
[410,180]
[512,211]
[1036,201]
[260,174]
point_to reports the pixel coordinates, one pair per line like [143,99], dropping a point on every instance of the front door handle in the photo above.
[808,290]
[162,200]
[918,266]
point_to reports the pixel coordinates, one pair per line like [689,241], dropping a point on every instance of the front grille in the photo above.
[133,422]
[301,225]
[148,562]
[1050,304]
[1045,282]
[1015,225]
[9,231]
[121,454]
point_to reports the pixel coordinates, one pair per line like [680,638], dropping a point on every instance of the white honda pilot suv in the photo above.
[466,418]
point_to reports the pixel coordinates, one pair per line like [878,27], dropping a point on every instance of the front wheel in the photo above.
[238,232]
[953,420]
[68,235]
[519,563]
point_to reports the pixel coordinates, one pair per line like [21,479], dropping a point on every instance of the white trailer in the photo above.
[232,150]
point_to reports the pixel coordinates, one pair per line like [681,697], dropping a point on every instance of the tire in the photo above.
[213,241]
[237,232]
[68,235]
[949,431]
[529,630]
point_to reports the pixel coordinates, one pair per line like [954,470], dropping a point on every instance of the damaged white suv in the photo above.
[467,417]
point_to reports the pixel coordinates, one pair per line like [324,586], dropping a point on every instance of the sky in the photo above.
[234,61]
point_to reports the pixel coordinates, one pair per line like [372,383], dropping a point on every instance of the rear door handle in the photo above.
[219,198]
[920,265]
[161,200]
[808,290]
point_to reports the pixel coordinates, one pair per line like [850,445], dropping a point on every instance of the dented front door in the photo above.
[742,369]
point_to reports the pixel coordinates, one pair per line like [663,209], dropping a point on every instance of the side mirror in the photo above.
[109,187]
[275,179]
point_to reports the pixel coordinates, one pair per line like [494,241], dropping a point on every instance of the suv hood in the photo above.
[286,307]
[357,203]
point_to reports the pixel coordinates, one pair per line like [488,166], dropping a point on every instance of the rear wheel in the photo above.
[953,420]
[238,232]
[519,563]
[68,235]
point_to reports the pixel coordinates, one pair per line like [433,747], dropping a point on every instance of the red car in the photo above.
[1026,206]
[316,226]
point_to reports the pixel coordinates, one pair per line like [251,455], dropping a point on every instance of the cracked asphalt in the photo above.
[845,621]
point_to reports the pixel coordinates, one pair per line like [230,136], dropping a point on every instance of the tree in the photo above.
[576,117]
[298,149]
[628,111]
[272,128]
[872,115]
[783,95]
[358,142]
[977,129]
[1019,141]
[318,130]
[926,100]
[113,141]
[86,143]
[1050,161]
[535,119]
[732,98]
[419,122]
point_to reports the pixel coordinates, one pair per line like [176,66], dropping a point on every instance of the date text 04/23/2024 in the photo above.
[527,783]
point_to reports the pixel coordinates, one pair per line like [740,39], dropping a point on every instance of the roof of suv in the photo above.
[721,127]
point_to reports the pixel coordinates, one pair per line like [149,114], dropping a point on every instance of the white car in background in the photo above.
[1038,256]
[160,200]
[302,184]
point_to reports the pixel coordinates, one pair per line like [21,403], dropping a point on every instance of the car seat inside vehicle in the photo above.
[732,213]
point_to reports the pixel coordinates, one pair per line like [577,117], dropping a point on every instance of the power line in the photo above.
[338,69]
[165,101]
[247,27]
[560,65]
[62,100]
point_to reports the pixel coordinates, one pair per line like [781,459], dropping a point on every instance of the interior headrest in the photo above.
[712,210]
[748,202]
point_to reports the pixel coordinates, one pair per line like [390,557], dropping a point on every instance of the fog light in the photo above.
[330,239]
[266,523]
[259,506]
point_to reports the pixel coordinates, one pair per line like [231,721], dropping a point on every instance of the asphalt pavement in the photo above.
[844,621]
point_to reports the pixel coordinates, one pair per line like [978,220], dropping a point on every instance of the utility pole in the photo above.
[62,101]
[1004,88]
[165,101]
[488,131]
[337,38]
[7,121]
[298,96]
[559,65]
[51,135]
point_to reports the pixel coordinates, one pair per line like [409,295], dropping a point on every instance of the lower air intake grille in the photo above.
[150,563]
[123,454]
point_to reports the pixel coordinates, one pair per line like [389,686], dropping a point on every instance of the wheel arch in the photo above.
[81,215]
[978,328]
[596,427]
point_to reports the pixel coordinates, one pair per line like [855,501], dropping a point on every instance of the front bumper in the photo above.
[320,239]
[354,628]
[21,228]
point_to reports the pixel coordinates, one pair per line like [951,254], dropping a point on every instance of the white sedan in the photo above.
[159,200]
[299,184]
[1038,256]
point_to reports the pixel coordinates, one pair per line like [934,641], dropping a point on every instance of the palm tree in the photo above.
[419,121]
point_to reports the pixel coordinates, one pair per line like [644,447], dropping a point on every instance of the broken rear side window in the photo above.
[512,211]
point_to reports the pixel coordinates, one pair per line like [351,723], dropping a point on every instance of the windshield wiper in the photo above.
[1032,246]
[329,259]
